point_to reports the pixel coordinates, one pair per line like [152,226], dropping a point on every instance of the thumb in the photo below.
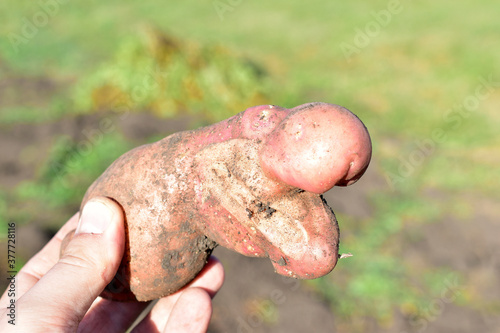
[88,263]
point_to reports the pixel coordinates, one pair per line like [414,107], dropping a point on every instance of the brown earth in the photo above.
[254,298]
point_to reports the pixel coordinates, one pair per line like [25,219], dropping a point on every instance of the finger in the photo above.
[111,316]
[40,264]
[191,312]
[210,280]
[65,293]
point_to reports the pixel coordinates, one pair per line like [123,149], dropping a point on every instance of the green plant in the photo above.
[168,77]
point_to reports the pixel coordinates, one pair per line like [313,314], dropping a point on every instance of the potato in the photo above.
[251,183]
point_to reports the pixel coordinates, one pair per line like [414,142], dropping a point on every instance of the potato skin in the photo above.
[163,251]
[239,183]
[316,147]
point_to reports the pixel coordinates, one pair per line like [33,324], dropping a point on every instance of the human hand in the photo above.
[62,294]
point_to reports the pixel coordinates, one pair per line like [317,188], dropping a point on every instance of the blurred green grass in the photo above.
[414,72]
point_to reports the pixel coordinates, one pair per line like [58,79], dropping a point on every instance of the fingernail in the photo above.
[95,218]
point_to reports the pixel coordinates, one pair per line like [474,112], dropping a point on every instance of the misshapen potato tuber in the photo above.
[251,183]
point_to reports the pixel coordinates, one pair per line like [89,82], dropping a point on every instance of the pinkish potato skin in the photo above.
[251,183]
